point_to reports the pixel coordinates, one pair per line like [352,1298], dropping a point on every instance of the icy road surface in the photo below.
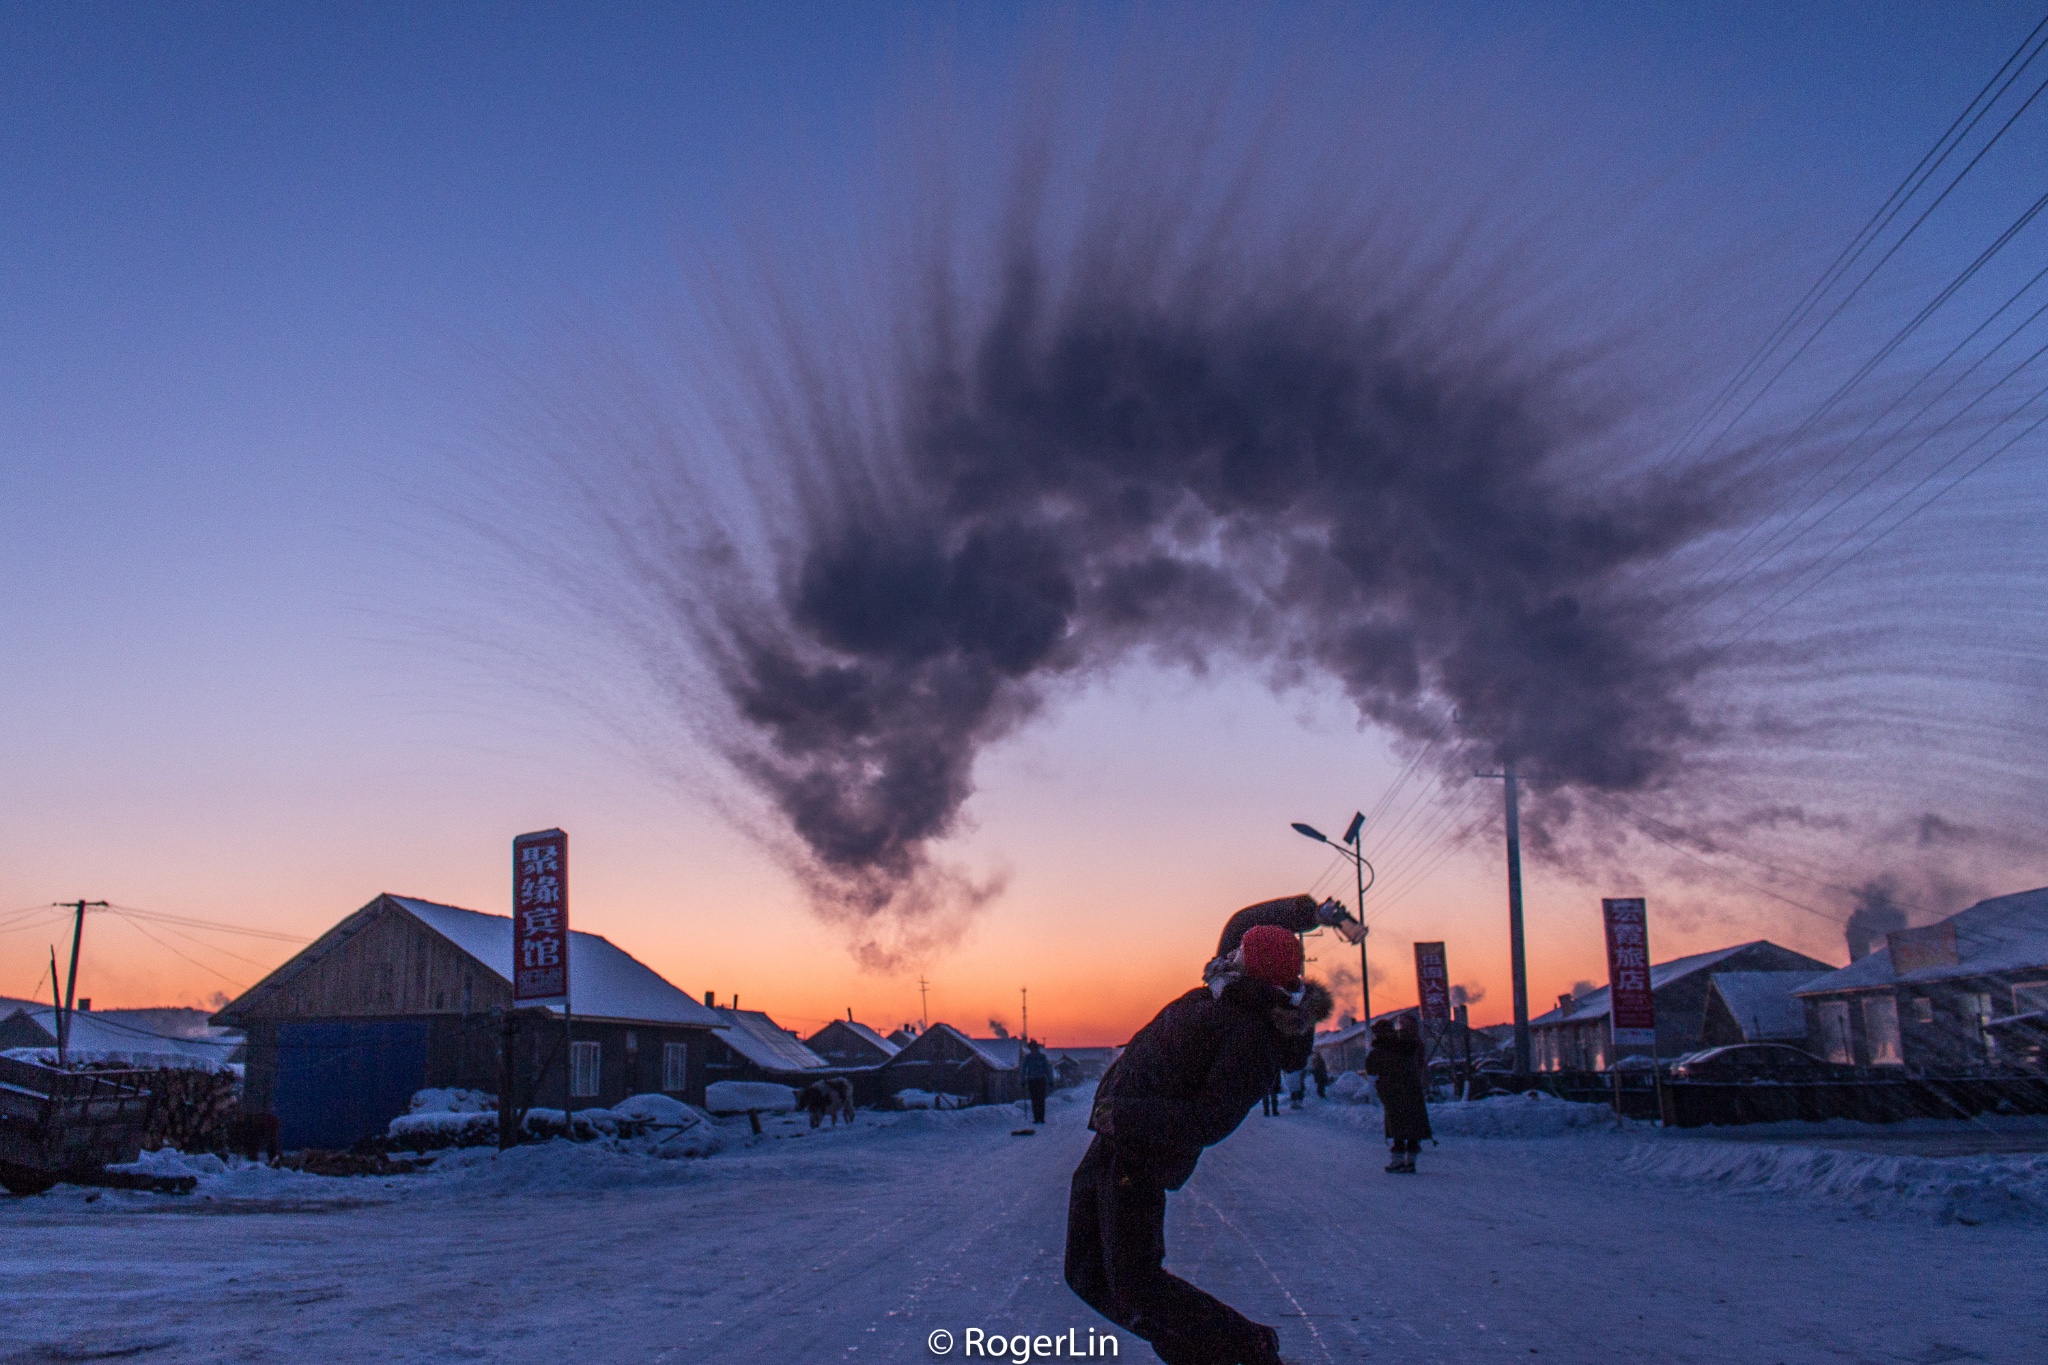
[853,1246]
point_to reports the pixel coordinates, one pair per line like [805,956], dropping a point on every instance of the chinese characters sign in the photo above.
[1632,1011]
[1433,982]
[540,916]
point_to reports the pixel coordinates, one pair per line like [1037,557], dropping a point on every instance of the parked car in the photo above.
[1755,1062]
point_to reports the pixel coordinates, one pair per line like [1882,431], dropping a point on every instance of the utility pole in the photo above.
[924,1005]
[71,982]
[1364,967]
[1518,962]
[1024,994]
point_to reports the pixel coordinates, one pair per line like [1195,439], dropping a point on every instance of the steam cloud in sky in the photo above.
[1154,394]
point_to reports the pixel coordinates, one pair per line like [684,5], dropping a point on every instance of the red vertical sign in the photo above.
[540,916]
[1433,982]
[1632,1011]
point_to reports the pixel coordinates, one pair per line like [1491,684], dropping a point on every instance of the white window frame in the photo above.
[675,1067]
[586,1070]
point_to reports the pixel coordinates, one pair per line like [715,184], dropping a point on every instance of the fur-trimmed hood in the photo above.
[1293,1012]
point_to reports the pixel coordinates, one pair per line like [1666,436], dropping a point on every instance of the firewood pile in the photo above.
[194,1111]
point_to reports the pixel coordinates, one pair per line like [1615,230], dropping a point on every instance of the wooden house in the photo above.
[945,1061]
[1934,999]
[844,1042]
[1755,1007]
[1576,1036]
[407,994]
[753,1047]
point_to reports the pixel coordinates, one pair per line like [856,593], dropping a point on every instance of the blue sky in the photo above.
[269,272]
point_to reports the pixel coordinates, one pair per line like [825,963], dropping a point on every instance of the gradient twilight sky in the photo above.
[272,276]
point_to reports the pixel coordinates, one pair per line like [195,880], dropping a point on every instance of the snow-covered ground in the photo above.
[1534,1231]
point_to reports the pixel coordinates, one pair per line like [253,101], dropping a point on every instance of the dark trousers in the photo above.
[1036,1089]
[1407,1145]
[1116,1250]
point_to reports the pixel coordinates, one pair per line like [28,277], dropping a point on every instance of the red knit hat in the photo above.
[1272,955]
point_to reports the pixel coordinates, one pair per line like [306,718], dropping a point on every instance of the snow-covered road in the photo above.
[855,1245]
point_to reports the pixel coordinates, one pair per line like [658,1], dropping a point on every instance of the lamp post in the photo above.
[1351,848]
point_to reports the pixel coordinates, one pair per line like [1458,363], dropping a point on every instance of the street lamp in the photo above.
[1355,851]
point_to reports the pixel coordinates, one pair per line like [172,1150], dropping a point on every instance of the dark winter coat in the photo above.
[1295,914]
[1191,1075]
[1395,1064]
[1036,1066]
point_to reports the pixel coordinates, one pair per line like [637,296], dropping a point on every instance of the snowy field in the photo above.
[1535,1231]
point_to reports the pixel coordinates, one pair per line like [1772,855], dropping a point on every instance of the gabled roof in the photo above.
[1594,1005]
[976,1047]
[766,1043]
[1007,1052]
[605,981]
[1763,1003]
[861,1032]
[2003,934]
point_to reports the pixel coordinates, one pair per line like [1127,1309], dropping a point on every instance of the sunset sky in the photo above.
[275,280]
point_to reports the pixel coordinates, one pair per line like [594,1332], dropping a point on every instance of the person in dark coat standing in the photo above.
[1037,1070]
[1319,1071]
[1185,1082]
[1395,1065]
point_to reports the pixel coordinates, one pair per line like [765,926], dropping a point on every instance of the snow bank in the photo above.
[1353,1088]
[1533,1115]
[1971,1190]
[659,1111]
[454,1102]
[737,1097]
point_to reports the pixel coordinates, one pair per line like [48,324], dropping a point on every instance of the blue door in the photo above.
[341,1080]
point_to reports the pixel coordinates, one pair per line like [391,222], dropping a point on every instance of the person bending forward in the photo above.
[1184,1083]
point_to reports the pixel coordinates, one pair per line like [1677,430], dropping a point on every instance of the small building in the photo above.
[945,1061]
[1344,1049]
[1934,999]
[407,994]
[753,1047]
[1088,1063]
[844,1042]
[150,1039]
[1576,1035]
[1755,1007]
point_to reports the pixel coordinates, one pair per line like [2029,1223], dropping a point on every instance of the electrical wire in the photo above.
[1894,204]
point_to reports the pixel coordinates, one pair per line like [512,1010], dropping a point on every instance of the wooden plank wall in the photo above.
[392,964]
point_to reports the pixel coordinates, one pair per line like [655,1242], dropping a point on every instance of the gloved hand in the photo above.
[1333,915]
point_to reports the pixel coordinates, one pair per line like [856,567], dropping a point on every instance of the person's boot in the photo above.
[1398,1164]
[1408,1163]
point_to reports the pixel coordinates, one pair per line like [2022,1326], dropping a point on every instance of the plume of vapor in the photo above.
[1176,397]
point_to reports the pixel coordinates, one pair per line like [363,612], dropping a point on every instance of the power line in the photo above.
[1774,544]
[1886,213]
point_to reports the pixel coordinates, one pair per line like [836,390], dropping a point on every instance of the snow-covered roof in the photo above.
[868,1035]
[2003,934]
[1336,1037]
[765,1043]
[1005,1052]
[1594,1004]
[1763,1003]
[119,1038]
[605,981]
[979,1048]
[860,1032]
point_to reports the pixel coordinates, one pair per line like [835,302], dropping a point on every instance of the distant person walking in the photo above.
[1185,1082]
[1037,1071]
[1319,1071]
[1395,1065]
